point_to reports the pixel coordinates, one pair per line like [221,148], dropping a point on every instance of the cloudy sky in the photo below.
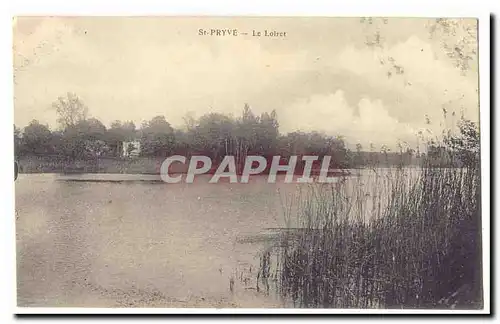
[328,74]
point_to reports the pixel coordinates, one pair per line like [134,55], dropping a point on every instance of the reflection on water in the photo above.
[85,243]
[140,244]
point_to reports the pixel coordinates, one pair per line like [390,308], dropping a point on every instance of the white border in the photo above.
[354,8]
[220,8]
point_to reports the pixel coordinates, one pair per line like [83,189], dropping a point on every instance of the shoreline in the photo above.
[147,166]
[156,178]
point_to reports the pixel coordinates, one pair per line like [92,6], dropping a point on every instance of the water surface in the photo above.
[148,244]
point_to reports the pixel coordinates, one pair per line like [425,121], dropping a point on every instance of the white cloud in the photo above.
[332,115]
[427,82]
[426,86]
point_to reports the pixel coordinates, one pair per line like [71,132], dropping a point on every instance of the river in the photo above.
[146,244]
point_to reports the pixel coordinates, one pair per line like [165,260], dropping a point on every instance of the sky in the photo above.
[331,75]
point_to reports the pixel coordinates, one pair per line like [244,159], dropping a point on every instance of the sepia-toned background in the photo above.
[99,103]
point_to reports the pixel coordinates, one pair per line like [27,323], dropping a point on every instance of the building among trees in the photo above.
[131,149]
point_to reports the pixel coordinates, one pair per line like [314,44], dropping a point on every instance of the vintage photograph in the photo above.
[247,162]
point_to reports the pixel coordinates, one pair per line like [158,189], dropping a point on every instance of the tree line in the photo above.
[216,135]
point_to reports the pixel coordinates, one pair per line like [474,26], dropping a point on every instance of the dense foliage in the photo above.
[213,134]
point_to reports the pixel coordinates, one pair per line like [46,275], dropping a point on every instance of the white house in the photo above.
[132,148]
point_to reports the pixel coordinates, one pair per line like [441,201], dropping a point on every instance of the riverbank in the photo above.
[54,164]
[122,165]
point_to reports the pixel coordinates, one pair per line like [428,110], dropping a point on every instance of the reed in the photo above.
[393,238]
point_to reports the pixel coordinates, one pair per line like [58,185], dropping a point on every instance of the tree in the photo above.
[189,121]
[18,145]
[129,130]
[184,141]
[267,134]
[70,110]
[466,144]
[245,136]
[214,135]
[115,137]
[37,137]
[85,139]
[459,40]
[92,129]
[157,137]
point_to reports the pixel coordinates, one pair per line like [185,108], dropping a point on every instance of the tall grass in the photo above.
[394,238]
